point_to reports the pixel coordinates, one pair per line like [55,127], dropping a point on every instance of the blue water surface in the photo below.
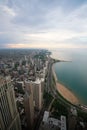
[73,74]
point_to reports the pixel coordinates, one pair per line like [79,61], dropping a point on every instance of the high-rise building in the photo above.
[28,104]
[37,93]
[36,88]
[42,90]
[9,116]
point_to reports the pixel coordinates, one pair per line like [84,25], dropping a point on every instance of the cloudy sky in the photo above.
[43,23]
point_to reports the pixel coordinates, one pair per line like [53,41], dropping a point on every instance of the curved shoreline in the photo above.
[64,91]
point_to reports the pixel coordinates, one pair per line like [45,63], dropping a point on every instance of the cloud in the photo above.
[38,23]
[8,10]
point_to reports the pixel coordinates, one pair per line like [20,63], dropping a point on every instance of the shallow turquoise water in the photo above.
[73,74]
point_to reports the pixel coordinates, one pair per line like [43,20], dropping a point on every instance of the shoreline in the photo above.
[64,91]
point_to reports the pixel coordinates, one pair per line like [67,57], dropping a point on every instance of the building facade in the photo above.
[37,94]
[9,116]
[28,104]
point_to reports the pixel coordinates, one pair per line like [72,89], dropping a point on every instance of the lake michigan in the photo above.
[72,74]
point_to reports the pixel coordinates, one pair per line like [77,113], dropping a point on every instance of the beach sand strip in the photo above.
[64,91]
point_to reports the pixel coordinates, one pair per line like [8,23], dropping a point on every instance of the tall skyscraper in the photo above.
[37,93]
[28,104]
[9,116]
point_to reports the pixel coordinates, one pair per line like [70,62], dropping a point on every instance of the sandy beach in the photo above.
[65,92]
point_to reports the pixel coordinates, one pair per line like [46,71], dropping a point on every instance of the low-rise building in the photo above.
[50,123]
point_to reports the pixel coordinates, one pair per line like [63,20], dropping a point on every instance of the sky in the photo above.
[43,23]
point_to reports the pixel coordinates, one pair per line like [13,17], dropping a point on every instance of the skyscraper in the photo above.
[37,94]
[28,104]
[9,116]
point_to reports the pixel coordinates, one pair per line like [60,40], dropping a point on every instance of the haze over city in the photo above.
[43,24]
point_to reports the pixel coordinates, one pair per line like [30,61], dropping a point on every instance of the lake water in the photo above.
[72,74]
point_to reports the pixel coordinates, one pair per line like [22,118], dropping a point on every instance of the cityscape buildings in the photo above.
[28,96]
[27,72]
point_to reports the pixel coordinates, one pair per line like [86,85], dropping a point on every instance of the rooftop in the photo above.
[46,116]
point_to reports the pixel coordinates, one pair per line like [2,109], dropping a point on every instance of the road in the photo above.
[50,88]
[39,119]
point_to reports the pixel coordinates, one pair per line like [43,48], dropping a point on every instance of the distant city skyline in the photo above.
[43,24]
